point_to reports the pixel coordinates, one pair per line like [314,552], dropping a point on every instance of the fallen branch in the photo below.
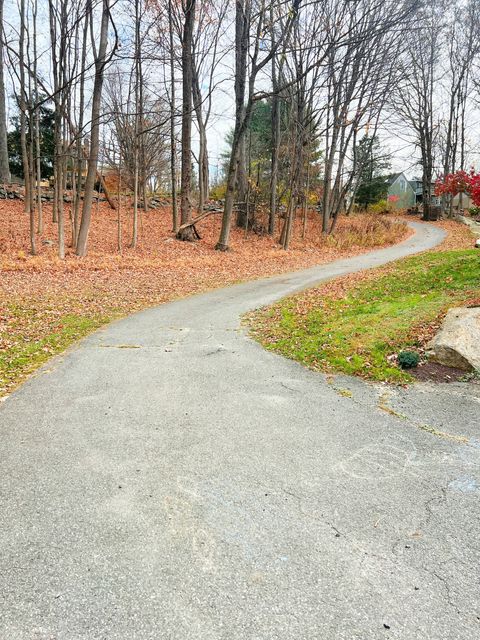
[193,222]
[101,180]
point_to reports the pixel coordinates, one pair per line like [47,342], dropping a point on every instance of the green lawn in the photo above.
[373,319]
[24,355]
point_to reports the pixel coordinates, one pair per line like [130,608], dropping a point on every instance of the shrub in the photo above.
[408,359]
[367,230]
[218,191]
[382,206]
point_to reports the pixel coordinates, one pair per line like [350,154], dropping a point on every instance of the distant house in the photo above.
[437,200]
[403,193]
[400,193]
[417,186]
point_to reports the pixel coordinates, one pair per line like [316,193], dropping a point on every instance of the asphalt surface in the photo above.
[169,479]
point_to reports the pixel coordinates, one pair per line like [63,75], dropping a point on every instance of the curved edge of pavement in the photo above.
[170,474]
[223,307]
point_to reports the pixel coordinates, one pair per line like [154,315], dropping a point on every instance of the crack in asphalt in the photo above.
[263,491]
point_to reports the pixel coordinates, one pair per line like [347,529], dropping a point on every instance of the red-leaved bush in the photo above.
[460,181]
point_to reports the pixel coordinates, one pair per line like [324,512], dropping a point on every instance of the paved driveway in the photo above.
[169,479]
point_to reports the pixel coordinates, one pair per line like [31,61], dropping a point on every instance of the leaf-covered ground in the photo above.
[355,324]
[47,304]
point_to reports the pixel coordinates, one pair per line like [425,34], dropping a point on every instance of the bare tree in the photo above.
[415,97]
[207,55]
[277,65]
[4,167]
[101,60]
[463,46]
[173,142]
[360,74]
[122,148]
[187,232]
[23,102]
[251,24]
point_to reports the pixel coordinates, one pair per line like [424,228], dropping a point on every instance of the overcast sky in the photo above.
[393,135]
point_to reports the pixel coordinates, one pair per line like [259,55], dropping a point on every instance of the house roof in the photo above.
[393,177]
[419,181]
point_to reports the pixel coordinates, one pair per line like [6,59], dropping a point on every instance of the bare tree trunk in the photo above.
[242,185]
[133,243]
[38,159]
[203,149]
[242,26]
[119,206]
[462,146]
[202,170]
[187,233]
[327,182]
[58,37]
[94,131]
[241,50]
[448,146]
[275,153]
[137,129]
[222,244]
[31,123]
[23,129]
[306,197]
[4,166]
[173,142]
[80,150]
[297,155]
[275,125]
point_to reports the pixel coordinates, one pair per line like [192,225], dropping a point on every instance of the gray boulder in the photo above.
[457,344]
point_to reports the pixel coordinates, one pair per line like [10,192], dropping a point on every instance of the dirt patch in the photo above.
[435,372]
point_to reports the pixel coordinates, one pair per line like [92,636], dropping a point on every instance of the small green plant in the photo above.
[408,359]
[471,376]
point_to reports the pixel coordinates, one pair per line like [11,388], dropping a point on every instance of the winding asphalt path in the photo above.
[169,479]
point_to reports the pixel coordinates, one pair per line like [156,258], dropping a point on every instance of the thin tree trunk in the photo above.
[80,157]
[203,149]
[4,166]
[23,129]
[94,132]
[275,125]
[119,206]
[173,142]
[222,244]
[242,25]
[242,185]
[187,233]
[38,159]
[137,132]
[306,198]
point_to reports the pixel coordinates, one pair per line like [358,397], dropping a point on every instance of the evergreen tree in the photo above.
[373,163]
[47,144]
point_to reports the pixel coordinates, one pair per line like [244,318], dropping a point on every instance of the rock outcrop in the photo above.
[457,344]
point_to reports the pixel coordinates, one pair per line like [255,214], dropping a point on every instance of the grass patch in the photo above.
[354,329]
[22,354]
